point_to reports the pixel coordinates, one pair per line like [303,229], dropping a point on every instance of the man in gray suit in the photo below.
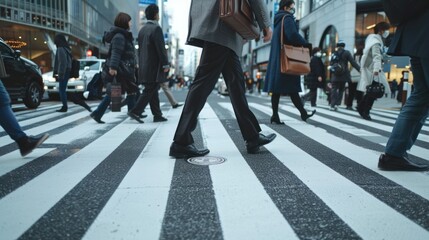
[222,47]
[153,65]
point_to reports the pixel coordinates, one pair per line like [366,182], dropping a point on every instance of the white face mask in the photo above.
[318,54]
[385,34]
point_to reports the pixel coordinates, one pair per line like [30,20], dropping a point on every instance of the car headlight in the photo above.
[49,79]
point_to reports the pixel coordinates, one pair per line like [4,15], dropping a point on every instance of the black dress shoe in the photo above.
[142,115]
[180,151]
[63,109]
[177,105]
[28,144]
[253,145]
[159,119]
[135,117]
[96,118]
[391,163]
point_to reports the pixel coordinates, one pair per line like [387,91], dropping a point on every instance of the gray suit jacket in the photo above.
[205,24]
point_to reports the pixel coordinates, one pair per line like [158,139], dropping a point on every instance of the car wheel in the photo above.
[33,95]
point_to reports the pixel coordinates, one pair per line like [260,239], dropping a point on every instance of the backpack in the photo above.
[95,87]
[338,66]
[75,66]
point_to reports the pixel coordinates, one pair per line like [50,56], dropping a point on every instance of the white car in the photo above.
[88,68]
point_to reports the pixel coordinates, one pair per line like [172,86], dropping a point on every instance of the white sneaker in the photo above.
[86,94]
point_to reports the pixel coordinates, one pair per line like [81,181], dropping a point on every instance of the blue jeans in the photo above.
[413,113]
[7,117]
[63,80]
[102,107]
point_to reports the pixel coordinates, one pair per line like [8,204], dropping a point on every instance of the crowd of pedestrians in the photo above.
[221,51]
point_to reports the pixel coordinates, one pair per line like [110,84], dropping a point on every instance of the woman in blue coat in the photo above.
[278,83]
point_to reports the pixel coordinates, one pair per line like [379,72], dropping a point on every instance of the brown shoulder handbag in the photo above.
[293,60]
[239,16]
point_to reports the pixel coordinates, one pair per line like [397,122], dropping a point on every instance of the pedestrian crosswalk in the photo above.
[316,180]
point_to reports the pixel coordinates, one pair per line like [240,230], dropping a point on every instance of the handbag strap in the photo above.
[376,77]
[282,33]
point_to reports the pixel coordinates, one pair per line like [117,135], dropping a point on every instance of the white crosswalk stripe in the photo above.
[242,187]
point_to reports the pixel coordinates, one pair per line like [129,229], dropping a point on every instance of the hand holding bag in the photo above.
[239,16]
[115,91]
[293,60]
[375,89]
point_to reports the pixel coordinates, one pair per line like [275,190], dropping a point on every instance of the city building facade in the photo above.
[324,23]
[30,26]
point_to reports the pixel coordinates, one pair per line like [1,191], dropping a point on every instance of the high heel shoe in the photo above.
[307,116]
[276,120]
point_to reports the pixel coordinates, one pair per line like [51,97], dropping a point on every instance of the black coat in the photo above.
[153,57]
[412,35]
[347,58]
[121,57]
[317,70]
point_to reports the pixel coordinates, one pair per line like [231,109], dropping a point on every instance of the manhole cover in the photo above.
[206,160]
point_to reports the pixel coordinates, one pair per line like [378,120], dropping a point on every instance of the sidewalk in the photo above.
[381,103]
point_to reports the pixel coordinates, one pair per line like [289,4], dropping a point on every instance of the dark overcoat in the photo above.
[317,70]
[347,58]
[153,57]
[412,33]
[277,82]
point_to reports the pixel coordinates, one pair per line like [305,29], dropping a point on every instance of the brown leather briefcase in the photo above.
[293,60]
[239,16]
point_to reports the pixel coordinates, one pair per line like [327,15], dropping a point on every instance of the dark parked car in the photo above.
[24,81]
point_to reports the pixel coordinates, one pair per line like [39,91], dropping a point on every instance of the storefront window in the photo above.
[328,42]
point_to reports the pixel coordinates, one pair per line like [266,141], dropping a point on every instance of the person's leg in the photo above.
[233,75]
[168,93]
[359,97]
[154,104]
[7,117]
[98,113]
[149,91]
[62,85]
[275,100]
[296,100]
[313,96]
[212,61]
[77,99]
[352,94]
[334,94]
[341,86]
[413,114]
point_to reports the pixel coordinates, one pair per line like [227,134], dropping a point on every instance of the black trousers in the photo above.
[366,104]
[216,59]
[149,96]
